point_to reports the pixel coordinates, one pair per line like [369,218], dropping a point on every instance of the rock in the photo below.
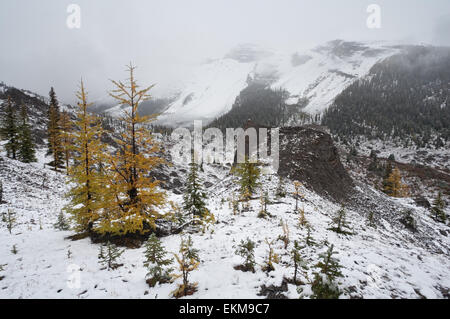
[309,155]
[422,202]
[208,184]
[274,292]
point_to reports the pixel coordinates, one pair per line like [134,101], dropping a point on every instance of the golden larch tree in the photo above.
[297,193]
[394,186]
[135,195]
[88,192]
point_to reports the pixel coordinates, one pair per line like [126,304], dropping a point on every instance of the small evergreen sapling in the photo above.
[188,261]
[438,209]
[248,176]
[10,220]
[309,240]
[340,223]
[324,285]
[14,250]
[194,199]
[281,188]
[371,220]
[176,214]
[297,260]
[61,223]
[109,254]
[246,250]
[156,262]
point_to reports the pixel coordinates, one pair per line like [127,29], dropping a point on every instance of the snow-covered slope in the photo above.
[386,261]
[317,75]
[210,93]
[327,70]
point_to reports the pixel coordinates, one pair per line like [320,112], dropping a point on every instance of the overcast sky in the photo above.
[166,37]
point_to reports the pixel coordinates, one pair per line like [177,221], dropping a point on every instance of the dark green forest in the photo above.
[405,96]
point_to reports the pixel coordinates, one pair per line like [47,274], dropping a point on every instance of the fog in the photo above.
[166,39]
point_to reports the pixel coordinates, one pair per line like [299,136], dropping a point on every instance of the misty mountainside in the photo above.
[37,108]
[406,96]
[149,107]
[312,79]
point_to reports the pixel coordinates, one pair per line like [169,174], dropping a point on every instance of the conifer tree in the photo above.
[10,220]
[188,261]
[264,201]
[1,192]
[248,175]
[297,259]
[135,194]
[66,138]
[438,208]
[297,193]
[281,188]
[194,196]
[88,192]
[340,222]
[371,220]
[61,223]
[272,258]
[234,204]
[309,240]
[26,144]
[156,262]
[246,250]
[54,131]
[9,131]
[394,186]
[324,285]
[387,172]
[109,254]
[302,219]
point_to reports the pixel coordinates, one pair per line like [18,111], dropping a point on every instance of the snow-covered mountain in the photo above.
[316,76]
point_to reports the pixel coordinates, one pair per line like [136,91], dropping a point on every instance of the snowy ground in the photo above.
[432,157]
[382,262]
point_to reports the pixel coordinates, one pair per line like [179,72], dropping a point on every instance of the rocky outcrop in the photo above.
[309,155]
